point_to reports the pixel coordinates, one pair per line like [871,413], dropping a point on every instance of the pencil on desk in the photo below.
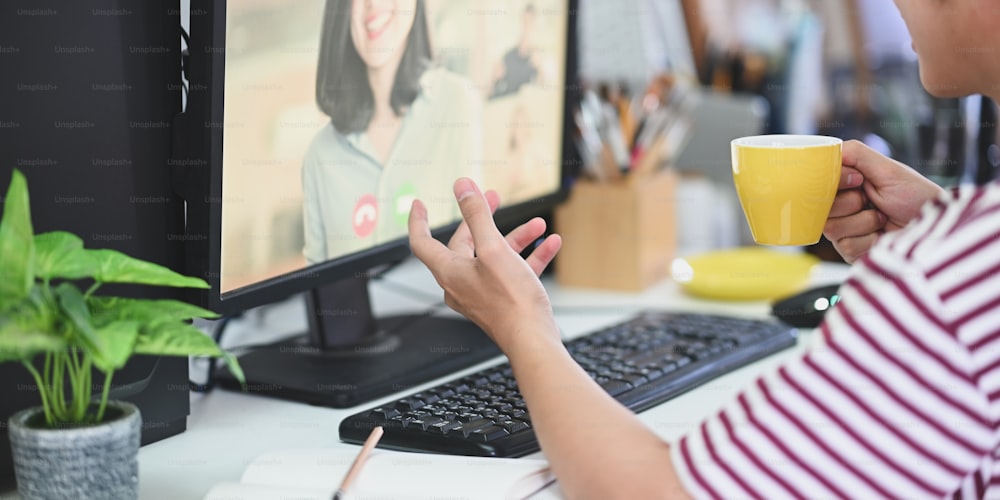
[359,461]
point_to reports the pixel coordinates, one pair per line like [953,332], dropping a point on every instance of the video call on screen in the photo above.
[338,113]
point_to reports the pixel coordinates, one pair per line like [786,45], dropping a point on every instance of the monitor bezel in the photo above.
[198,166]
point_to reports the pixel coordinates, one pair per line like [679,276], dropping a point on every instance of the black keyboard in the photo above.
[642,362]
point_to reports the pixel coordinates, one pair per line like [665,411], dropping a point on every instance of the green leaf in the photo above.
[24,335]
[17,250]
[116,267]
[235,368]
[59,254]
[175,338]
[74,307]
[107,309]
[27,327]
[119,337]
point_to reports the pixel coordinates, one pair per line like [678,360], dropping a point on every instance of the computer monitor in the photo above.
[313,124]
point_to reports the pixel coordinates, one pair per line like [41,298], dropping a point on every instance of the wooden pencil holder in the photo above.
[618,235]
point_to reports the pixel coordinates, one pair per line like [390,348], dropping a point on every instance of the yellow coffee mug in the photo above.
[786,185]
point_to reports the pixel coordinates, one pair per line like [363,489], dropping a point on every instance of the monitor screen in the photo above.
[311,126]
[338,113]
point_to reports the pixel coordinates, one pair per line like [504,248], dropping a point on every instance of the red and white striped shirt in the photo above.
[899,395]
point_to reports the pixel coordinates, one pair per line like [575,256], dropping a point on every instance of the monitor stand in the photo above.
[349,357]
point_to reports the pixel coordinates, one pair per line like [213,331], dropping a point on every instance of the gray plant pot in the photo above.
[94,462]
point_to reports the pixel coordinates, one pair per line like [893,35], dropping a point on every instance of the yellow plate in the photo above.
[751,273]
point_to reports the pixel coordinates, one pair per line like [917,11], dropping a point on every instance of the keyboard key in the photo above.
[426,422]
[645,358]
[470,427]
[666,367]
[634,380]
[489,433]
[428,398]
[616,387]
[513,426]
[385,413]
[443,427]
[456,387]
[696,350]
[502,406]
[409,404]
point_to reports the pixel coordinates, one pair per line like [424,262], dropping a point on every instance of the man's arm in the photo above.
[596,447]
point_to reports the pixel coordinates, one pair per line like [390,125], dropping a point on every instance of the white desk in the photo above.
[226,430]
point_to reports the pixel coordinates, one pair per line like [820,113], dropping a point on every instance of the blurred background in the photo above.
[843,68]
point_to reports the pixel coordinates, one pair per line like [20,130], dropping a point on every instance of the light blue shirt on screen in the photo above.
[352,202]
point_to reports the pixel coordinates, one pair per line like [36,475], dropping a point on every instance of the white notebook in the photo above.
[315,473]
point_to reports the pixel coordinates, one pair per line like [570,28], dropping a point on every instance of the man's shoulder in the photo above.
[951,229]
[970,207]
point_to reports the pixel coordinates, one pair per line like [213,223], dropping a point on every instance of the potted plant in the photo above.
[77,444]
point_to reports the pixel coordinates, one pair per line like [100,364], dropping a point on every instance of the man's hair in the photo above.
[342,89]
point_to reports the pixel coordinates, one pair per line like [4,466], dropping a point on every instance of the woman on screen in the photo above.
[399,128]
